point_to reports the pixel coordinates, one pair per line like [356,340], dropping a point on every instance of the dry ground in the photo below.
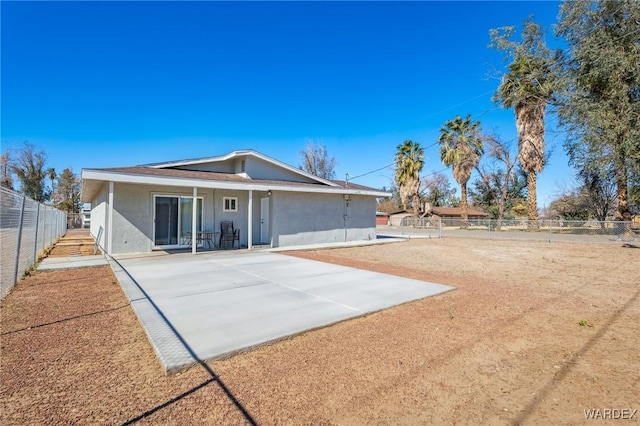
[506,347]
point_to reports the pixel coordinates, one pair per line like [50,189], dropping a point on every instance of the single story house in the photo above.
[396,218]
[149,207]
[456,212]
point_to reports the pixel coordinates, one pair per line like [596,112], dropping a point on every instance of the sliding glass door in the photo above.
[173,217]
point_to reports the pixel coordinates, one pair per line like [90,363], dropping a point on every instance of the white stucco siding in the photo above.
[99,214]
[133,214]
[300,219]
[132,219]
[295,218]
[239,217]
[257,168]
[362,220]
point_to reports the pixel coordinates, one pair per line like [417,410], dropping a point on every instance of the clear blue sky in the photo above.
[125,83]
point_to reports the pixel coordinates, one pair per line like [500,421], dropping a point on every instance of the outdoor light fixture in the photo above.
[347,197]
[269,193]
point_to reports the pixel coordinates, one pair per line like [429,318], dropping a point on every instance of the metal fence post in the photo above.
[35,238]
[549,230]
[52,229]
[440,227]
[15,271]
[44,229]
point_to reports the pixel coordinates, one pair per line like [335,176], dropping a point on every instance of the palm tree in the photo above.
[527,87]
[461,148]
[51,174]
[409,163]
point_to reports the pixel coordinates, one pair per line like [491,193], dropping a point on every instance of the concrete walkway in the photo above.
[212,305]
[72,245]
[67,262]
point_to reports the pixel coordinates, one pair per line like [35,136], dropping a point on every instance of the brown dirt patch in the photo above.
[76,242]
[505,347]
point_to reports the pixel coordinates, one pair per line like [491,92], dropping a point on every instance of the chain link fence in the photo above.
[27,229]
[542,229]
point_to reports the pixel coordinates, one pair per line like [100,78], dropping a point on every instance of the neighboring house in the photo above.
[456,213]
[382,218]
[395,219]
[85,216]
[142,208]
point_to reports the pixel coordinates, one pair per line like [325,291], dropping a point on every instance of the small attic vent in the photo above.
[243,166]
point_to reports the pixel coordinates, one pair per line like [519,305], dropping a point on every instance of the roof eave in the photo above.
[110,176]
[238,153]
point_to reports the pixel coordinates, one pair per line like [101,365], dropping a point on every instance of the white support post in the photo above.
[250,221]
[110,228]
[194,217]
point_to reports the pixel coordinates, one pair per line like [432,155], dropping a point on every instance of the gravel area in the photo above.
[535,334]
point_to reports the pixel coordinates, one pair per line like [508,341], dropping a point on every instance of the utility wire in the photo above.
[554,118]
[441,111]
[373,171]
[427,147]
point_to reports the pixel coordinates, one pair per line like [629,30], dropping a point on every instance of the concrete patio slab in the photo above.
[212,305]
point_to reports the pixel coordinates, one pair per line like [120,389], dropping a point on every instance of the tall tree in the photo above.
[409,163]
[634,189]
[527,87]
[29,168]
[500,183]
[599,187]
[571,204]
[436,189]
[461,147]
[315,160]
[67,193]
[600,97]
[6,178]
[51,174]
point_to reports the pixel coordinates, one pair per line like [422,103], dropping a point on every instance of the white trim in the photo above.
[179,196]
[92,174]
[250,221]
[232,200]
[194,219]
[110,228]
[248,153]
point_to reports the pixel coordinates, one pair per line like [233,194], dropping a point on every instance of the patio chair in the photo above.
[228,234]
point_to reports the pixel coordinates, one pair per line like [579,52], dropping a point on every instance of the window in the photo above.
[173,217]
[230,204]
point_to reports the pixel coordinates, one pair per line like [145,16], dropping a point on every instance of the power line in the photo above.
[444,110]
[368,173]
[458,105]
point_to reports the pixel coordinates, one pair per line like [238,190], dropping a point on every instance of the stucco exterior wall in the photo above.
[300,219]
[255,168]
[260,169]
[396,219]
[239,218]
[133,225]
[99,214]
[294,218]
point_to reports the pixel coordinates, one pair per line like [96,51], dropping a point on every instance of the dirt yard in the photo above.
[536,333]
